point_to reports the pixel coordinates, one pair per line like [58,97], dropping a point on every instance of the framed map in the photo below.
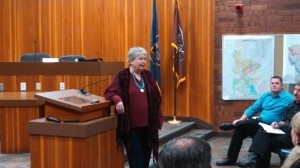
[291,58]
[247,66]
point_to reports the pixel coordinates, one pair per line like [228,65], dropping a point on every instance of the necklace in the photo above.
[142,86]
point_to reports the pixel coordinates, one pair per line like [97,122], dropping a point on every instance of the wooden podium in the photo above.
[70,105]
[91,142]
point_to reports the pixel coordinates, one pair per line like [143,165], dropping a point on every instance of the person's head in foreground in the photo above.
[293,160]
[185,152]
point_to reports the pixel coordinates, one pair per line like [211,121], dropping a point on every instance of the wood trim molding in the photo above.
[60,68]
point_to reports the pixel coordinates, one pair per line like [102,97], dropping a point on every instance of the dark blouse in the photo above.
[138,106]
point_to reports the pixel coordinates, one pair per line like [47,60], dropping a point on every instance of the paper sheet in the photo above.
[269,129]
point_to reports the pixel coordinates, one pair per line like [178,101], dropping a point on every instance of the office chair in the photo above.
[72,58]
[33,57]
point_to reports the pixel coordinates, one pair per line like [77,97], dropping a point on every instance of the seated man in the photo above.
[185,152]
[271,105]
[260,149]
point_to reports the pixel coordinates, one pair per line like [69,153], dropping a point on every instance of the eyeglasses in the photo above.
[141,58]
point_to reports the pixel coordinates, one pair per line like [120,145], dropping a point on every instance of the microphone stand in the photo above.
[83,92]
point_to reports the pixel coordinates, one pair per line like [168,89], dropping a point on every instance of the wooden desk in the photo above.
[16,109]
[49,75]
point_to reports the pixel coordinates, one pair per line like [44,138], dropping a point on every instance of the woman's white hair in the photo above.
[134,52]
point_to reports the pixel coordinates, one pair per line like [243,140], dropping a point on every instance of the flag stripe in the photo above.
[154,47]
[178,45]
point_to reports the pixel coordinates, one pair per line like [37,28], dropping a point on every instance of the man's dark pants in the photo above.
[249,128]
[263,144]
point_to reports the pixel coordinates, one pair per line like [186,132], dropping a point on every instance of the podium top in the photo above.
[73,100]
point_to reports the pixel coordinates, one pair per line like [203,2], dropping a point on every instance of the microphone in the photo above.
[83,92]
[34,50]
[94,58]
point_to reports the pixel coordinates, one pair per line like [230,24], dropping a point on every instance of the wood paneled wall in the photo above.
[107,28]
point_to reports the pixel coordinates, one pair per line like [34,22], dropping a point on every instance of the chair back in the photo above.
[33,57]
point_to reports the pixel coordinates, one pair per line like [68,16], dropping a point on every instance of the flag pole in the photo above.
[174,121]
[175,59]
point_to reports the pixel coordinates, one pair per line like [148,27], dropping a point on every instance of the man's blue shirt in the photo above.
[271,108]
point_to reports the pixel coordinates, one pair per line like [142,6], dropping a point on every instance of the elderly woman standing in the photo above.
[138,105]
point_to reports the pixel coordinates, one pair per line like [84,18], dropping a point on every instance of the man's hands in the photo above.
[275,125]
[235,121]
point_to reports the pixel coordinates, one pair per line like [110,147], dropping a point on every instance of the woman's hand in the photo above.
[120,108]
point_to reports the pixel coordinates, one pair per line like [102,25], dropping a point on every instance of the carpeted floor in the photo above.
[219,149]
